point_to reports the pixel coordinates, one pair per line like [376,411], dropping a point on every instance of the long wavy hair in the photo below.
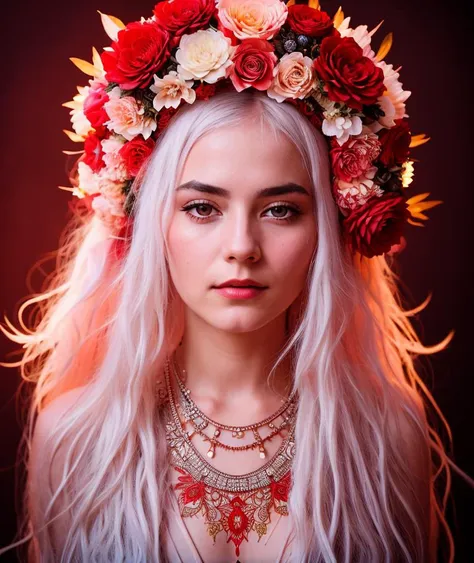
[107,321]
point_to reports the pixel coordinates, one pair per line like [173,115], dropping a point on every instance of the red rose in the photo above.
[140,50]
[163,119]
[308,21]
[93,153]
[135,153]
[102,132]
[205,91]
[94,107]
[348,76]
[355,156]
[184,16]
[395,143]
[254,61]
[375,227]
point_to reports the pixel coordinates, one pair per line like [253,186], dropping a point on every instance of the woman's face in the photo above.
[236,233]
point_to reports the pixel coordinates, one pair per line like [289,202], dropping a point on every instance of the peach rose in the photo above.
[260,19]
[170,90]
[127,116]
[203,55]
[294,77]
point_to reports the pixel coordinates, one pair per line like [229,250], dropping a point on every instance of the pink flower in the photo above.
[109,212]
[352,195]
[170,90]
[250,19]
[127,116]
[115,166]
[94,106]
[355,156]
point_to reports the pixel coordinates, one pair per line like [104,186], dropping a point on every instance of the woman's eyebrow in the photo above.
[288,188]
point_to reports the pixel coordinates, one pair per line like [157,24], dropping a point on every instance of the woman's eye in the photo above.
[280,212]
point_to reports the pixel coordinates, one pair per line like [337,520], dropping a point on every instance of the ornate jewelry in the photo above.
[200,421]
[236,504]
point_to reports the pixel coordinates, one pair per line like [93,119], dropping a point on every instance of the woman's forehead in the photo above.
[239,153]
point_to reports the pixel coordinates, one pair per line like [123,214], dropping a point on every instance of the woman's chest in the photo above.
[217,526]
[234,508]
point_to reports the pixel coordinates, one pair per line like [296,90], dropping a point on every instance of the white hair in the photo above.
[109,323]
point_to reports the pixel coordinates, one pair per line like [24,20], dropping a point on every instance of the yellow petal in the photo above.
[417,140]
[70,153]
[75,138]
[86,67]
[96,59]
[385,47]
[290,3]
[338,18]
[417,198]
[419,207]
[416,207]
[418,215]
[112,25]
[72,105]
[415,223]
[314,4]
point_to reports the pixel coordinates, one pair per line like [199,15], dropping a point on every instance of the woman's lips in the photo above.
[240,292]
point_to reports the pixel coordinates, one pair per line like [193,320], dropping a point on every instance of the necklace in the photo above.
[235,504]
[200,421]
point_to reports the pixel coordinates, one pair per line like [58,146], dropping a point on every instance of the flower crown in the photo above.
[190,49]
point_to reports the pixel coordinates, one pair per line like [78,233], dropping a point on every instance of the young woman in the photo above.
[226,379]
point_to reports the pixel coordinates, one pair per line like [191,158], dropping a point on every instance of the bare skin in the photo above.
[228,345]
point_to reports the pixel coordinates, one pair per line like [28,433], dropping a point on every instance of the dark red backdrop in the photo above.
[430,41]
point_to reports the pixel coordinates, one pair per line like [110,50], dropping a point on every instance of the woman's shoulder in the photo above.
[45,476]
[47,422]
[55,408]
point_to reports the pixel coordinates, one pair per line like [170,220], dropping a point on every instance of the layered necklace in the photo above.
[236,504]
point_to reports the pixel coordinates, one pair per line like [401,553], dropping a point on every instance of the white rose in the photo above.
[204,55]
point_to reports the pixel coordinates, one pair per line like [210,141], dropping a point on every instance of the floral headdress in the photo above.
[190,49]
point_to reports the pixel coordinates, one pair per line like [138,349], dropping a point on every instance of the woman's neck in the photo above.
[228,372]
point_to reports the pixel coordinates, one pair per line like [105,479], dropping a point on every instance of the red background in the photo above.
[430,41]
